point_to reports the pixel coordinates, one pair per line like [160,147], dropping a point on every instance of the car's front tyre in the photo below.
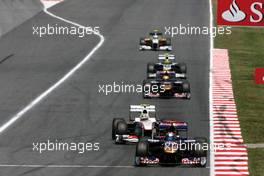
[114,126]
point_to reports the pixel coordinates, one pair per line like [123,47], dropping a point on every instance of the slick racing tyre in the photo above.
[121,128]
[142,41]
[186,87]
[201,152]
[137,161]
[199,149]
[114,126]
[151,68]
[183,67]
[168,41]
[142,149]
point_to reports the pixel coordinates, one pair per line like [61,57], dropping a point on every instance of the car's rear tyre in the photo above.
[168,42]
[188,96]
[186,87]
[142,149]
[151,68]
[183,67]
[200,151]
[145,96]
[137,161]
[142,41]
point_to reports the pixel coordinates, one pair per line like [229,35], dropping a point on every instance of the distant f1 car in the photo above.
[166,85]
[173,149]
[155,41]
[142,123]
[167,63]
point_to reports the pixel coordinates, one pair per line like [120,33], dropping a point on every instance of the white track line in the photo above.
[62,166]
[59,82]
[49,3]
[212,158]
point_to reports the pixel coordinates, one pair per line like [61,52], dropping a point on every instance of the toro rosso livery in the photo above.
[166,85]
[167,63]
[155,41]
[171,149]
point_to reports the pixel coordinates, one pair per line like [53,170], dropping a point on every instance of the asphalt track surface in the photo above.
[76,112]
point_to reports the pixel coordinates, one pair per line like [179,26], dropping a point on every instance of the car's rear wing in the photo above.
[168,56]
[155,33]
[179,126]
[160,74]
[141,108]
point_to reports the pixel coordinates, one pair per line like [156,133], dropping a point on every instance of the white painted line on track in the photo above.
[64,166]
[228,140]
[221,118]
[228,136]
[232,168]
[231,158]
[231,163]
[230,153]
[49,3]
[224,129]
[258,145]
[234,113]
[231,173]
[43,95]
[226,132]
[212,159]
[238,149]
[223,126]
[226,122]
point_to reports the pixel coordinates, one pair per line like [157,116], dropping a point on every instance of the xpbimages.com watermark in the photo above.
[196,30]
[50,30]
[191,146]
[122,87]
[51,146]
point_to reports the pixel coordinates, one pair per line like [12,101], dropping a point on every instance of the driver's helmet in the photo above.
[155,36]
[170,136]
[167,61]
[166,76]
[144,114]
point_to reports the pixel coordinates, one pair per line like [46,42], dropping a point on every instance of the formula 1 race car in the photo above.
[167,63]
[165,85]
[155,41]
[142,119]
[172,149]
[142,123]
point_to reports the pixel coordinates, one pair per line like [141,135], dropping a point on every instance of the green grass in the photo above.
[256,162]
[246,52]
